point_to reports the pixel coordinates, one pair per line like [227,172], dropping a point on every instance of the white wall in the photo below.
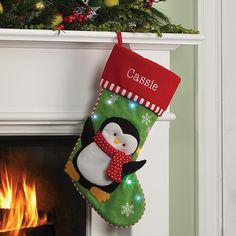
[229,114]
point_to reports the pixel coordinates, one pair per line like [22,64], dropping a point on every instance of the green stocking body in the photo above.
[104,162]
[126,204]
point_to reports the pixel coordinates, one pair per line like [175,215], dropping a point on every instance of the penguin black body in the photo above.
[91,162]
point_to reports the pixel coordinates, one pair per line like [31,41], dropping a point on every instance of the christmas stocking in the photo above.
[135,92]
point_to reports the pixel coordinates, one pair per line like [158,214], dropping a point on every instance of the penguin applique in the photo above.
[105,157]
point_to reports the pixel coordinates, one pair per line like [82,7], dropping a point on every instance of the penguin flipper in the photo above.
[88,132]
[132,166]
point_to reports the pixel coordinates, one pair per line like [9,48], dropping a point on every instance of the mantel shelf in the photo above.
[42,109]
[41,38]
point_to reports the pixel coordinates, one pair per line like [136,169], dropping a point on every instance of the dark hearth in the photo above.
[43,230]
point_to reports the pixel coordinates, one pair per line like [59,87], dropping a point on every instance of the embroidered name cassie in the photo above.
[132,74]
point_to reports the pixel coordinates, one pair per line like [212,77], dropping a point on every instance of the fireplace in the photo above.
[36,196]
[48,85]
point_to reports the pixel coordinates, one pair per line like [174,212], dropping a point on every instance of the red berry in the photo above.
[80,20]
[70,19]
[152,0]
[61,27]
[65,19]
[88,12]
[85,18]
[73,17]
[80,16]
[149,4]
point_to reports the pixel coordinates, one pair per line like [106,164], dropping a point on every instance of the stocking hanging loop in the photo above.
[119,38]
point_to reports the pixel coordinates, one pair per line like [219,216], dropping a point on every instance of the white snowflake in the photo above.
[146,119]
[127,209]
[86,2]
[82,9]
[114,97]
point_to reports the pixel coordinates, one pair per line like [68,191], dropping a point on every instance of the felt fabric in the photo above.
[135,92]
[114,169]
[126,203]
[139,79]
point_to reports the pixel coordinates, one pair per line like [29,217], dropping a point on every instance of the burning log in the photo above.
[46,229]
[4,213]
[43,230]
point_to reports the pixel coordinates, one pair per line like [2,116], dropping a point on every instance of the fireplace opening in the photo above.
[36,197]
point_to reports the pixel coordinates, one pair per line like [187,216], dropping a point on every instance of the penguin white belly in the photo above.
[92,163]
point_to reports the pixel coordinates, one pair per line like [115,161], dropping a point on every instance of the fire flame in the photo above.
[18,202]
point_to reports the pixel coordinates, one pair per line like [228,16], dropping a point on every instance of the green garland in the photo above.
[89,15]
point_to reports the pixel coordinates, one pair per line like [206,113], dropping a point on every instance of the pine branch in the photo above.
[129,15]
[160,17]
[178,29]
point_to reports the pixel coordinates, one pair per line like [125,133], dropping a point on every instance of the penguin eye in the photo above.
[123,145]
[114,134]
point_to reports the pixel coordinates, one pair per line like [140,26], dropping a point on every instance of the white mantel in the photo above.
[49,83]
[148,40]
[51,118]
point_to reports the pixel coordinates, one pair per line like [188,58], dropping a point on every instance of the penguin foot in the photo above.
[70,170]
[100,194]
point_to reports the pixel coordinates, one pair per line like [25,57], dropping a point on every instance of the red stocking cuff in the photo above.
[139,79]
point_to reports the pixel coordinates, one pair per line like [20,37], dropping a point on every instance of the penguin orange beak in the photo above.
[116,141]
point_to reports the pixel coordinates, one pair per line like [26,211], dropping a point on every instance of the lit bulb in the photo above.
[40,5]
[138,198]
[132,105]
[128,181]
[109,101]
[94,116]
